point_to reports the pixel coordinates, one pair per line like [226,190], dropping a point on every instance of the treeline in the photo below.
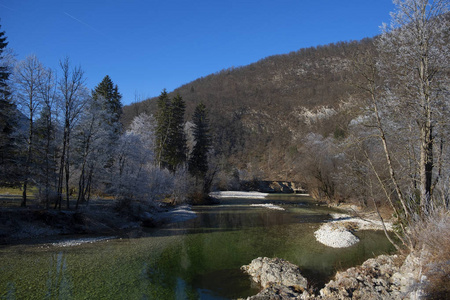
[69,143]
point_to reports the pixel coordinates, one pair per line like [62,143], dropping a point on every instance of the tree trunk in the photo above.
[426,165]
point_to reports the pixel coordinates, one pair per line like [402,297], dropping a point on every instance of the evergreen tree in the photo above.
[108,94]
[107,97]
[4,72]
[163,120]
[8,122]
[176,146]
[198,161]
[170,145]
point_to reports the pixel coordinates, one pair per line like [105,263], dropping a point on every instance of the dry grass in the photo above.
[432,236]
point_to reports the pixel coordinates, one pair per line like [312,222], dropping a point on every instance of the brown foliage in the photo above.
[255,110]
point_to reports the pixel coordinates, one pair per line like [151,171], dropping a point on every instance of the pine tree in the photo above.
[8,122]
[107,97]
[108,94]
[176,146]
[163,120]
[170,143]
[4,72]
[198,161]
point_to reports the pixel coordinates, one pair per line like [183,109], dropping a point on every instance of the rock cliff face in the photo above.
[383,277]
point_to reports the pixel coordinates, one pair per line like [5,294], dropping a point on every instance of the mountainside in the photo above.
[261,113]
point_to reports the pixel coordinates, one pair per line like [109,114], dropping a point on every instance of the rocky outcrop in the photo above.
[276,291]
[275,271]
[374,279]
[383,277]
[273,186]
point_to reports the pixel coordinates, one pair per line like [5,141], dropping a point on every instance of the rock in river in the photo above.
[275,271]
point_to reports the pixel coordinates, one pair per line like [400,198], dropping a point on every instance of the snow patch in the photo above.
[180,214]
[269,206]
[77,242]
[238,194]
[360,224]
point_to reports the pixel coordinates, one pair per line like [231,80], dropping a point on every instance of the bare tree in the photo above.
[73,95]
[406,81]
[28,76]
[414,58]
[47,91]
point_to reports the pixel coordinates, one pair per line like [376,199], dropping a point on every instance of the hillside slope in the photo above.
[261,113]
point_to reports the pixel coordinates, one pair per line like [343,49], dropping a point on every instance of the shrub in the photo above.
[431,235]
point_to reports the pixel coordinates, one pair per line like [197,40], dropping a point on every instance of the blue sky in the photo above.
[145,46]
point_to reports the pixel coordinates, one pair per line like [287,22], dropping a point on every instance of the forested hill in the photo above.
[261,113]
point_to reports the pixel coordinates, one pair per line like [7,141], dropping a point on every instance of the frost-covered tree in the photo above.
[143,125]
[407,83]
[414,60]
[134,166]
[28,76]
[91,142]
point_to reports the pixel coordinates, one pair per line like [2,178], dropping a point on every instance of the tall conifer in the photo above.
[170,137]
[163,120]
[108,94]
[8,122]
[198,161]
[177,140]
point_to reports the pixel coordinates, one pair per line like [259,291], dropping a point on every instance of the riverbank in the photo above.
[418,273]
[88,224]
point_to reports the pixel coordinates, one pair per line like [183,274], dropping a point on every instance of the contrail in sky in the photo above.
[7,7]
[85,24]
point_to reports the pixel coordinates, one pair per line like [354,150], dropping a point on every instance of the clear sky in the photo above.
[147,45]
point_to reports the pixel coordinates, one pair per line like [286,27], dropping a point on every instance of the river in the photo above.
[195,259]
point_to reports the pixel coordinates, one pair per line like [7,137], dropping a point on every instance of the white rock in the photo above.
[335,236]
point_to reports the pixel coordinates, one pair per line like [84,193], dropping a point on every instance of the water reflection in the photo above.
[58,280]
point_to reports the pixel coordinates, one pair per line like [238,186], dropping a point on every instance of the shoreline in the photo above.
[338,232]
[72,228]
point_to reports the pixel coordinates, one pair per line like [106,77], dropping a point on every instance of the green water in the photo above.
[196,259]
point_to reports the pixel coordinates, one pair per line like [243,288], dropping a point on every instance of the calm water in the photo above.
[196,259]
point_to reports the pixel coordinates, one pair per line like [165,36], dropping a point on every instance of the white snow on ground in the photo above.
[179,214]
[335,236]
[269,206]
[238,194]
[76,242]
[360,224]
[335,233]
